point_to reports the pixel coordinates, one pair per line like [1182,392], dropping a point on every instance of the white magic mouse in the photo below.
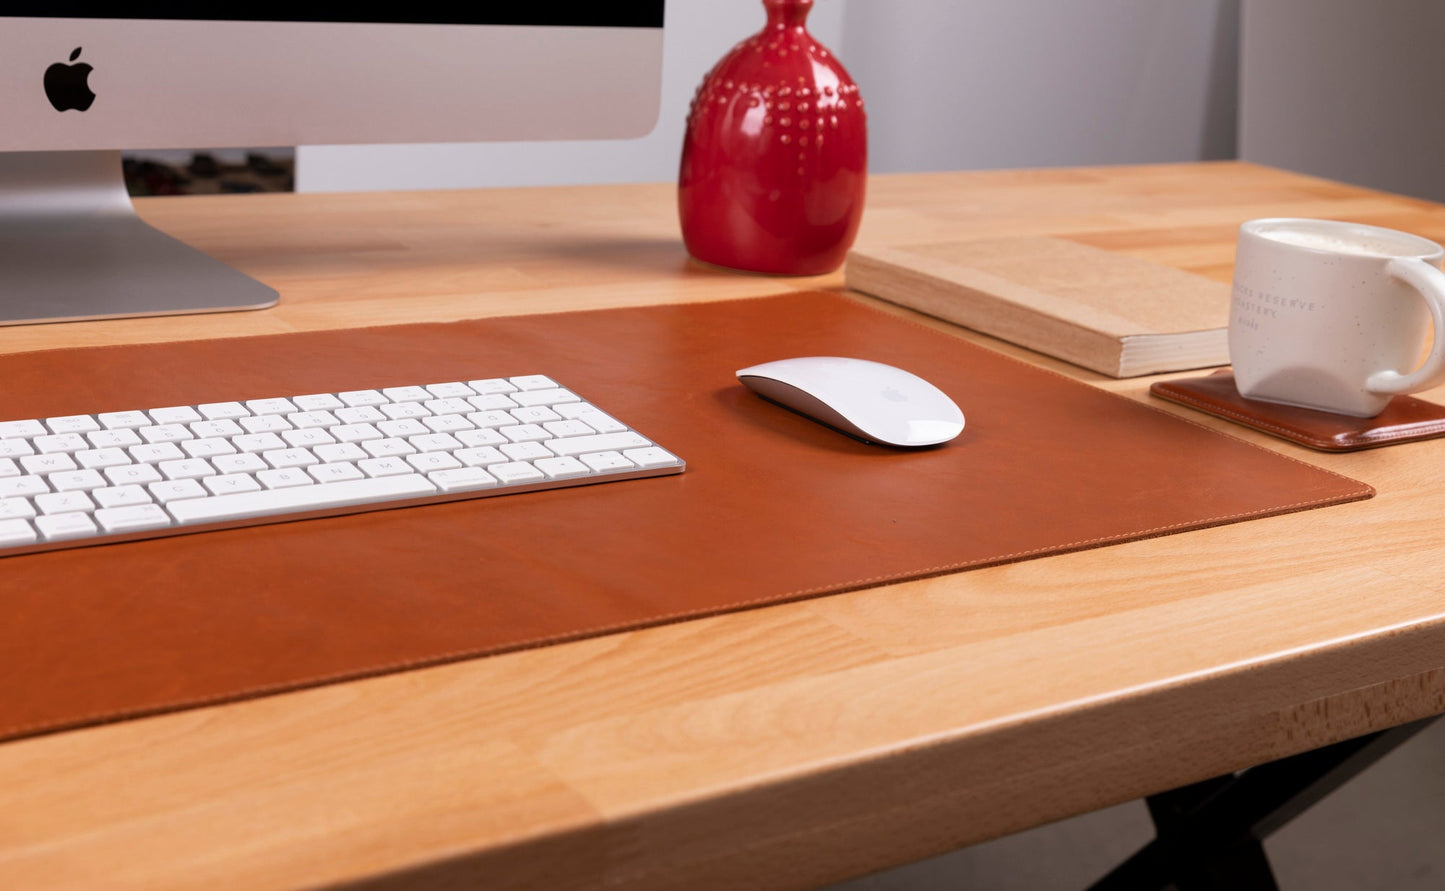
[869,400]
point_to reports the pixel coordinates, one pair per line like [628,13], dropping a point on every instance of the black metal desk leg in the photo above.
[1209,835]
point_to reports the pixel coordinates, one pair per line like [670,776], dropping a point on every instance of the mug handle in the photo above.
[1430,282]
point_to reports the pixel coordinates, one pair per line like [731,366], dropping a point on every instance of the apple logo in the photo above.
[893,394]
[66,86]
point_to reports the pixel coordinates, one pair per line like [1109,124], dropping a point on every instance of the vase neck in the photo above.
[787,13]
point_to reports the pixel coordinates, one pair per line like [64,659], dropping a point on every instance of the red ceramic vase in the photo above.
[775,158]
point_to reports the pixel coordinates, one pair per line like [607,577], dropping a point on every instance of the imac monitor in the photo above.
[83,81]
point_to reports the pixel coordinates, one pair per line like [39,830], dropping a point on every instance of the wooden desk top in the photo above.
[782,747]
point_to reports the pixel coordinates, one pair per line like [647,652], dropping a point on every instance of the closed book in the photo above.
[1108,312]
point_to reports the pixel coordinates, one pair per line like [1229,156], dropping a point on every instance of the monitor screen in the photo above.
[83,81]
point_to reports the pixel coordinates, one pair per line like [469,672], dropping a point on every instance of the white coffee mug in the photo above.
[1335,316]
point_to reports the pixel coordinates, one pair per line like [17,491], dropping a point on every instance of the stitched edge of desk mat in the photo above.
[773,507]
[1405,419]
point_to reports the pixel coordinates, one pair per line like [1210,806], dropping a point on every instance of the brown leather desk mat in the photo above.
[1405,419]
[772,507]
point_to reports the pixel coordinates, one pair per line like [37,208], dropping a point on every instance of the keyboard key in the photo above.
[552,396]
[48,463]
[526,451]
[400,410]
[15,448]
[215,429]
[477,438]
[132,475]
[406,394]
[334,473]
[516,472]
[604,461]
[448,406]
[536,414]
[257,442]
[60,442]
[492,402]
[446,423]
[165,433]
[273,406]
[562,468]
[186,469]
[651,457]
[480,457]
[77,481]
[385,448]
[244,462]
[9,468]
[602,423]
[305,419]
[283,458]
[599,442]
[534,382]
[359,398]
[16,429]
[494,418]
[404,427]
[361,414]
[17,532]
[175,490]
[124,420]
[226,483]
[64,503]
[568,428]
[463,479]
[435,442]
[356,433]
[524,433]
[133,518]
[72,424]
[113,439]
[208,448]
[179,414]
[284,478]
[308,437]
[265,423]
[28,484]
[58,527]
[455,389]
[384,466]
[341,451]
[121,496]
[98,459]
[221,411]
[492,385]
[430,461]
[316,402]
[156,453]
[16,508]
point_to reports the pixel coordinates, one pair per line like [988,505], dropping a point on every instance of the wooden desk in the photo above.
[782,747]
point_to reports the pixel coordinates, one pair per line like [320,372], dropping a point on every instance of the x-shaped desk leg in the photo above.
[1209,835]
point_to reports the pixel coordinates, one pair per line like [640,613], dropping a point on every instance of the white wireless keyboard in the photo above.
[115,476]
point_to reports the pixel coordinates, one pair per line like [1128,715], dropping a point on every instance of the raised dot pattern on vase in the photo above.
[774,161]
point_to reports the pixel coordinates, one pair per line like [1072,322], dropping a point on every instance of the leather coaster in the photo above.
[1405,419]
[773,507]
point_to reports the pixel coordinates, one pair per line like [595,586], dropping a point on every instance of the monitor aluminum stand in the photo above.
[73,248]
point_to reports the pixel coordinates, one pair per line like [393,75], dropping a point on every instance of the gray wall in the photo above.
[950,84]
[1347,90]
[960,84]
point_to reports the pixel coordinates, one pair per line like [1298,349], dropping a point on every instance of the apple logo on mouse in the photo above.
[893,394]
[67,87]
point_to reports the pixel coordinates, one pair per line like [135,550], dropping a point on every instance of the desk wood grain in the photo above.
[782,747]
